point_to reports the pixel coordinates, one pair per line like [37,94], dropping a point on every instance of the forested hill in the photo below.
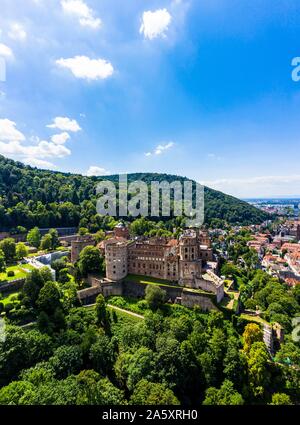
[32,197]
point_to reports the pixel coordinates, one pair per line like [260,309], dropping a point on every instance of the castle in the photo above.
[188,261]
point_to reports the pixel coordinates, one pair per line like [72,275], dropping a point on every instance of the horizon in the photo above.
[206,95]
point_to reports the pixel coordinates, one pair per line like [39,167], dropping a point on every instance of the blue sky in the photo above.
[191,87]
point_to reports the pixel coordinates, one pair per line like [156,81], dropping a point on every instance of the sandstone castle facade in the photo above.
[185,261]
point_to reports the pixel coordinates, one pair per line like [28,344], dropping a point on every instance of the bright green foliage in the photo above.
[281,399]
[46,242]
[2,262]
[149,393]
[8,247]
[226,395]
[21,251]
[155,296]
[34,237]
[90,261]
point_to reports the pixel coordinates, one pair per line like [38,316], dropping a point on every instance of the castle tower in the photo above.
[79,244]
[121,231]
[116,257]
[190,264]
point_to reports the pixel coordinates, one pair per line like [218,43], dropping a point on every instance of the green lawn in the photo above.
[17,269]
[127,317]
[11,298]
[149,280]
[120,314]
[256,319]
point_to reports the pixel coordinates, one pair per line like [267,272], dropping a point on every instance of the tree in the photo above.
[8,247]
[83,231]
[141,366]
[101,355]
[155,296]
[226,395]
[281,399]
[252,334]
[258,371]
[2,262]
[33,283]
[66,361]
[20,350]
[44,323]
[97,391]
[34,237]
[12,393]
[235,364]
[21,251]
[54,238]
[63,276]
[102,314]
[150,393]
[289,352]
[46,274]
[46,242]
[59,264]
[90,261]
[140,226]
[100,236]
[49,298]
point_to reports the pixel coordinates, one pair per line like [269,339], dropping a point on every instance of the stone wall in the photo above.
[190,300]
[137,290]
[7,287]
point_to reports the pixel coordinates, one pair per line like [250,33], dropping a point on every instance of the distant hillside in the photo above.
[30,197]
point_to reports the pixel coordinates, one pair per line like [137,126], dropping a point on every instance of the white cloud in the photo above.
[12,145]
[65,124]
[40,163]
[6,51]
[80,10]
[43,150]
[17,32]
[60,139]
[253,186]
[96,171]
[155,24]
[161,148]
[266,180]
[86,68]
[9,133]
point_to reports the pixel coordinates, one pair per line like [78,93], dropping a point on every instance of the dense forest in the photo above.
[169,354]
[31,197]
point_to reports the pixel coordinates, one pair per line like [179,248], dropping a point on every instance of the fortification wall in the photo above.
[190,300]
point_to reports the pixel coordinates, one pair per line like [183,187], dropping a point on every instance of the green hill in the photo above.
[31,197]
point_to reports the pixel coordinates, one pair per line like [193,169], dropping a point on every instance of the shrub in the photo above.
[10,273]
[8,307]
[142,305]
